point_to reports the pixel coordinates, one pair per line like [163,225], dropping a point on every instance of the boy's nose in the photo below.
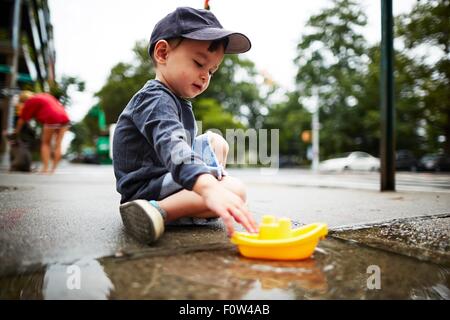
[204,75]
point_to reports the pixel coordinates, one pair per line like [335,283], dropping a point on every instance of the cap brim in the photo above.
[237,42]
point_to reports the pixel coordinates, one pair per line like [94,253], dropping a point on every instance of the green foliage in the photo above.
[212,116]
[407,103]
[60,90]
[428,25]
[87,130]
[292,119]
[234,85]
[81,139]
[124,81]
[336,65]
[331,60]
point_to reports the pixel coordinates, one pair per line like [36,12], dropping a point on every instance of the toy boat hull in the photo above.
[300,245]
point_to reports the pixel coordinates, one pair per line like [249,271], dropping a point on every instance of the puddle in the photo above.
[426,238]
[259,292]
[338,270]
[83,279]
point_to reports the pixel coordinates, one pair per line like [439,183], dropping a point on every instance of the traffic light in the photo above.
[306,136]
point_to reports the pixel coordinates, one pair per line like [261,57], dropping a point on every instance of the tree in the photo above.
[407,79]
[331,59]
[291,118]
[212,116]
[82,137]
[124,81]
[427,26]
[336,65]
[237,88]
[60,90]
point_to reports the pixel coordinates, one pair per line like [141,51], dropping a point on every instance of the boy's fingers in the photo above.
[253,227]
[228,221]
[251,220]
[242,218]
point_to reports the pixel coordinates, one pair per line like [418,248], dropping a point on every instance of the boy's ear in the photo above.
[161,50]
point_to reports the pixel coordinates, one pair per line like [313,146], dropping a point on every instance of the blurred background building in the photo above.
[27,53]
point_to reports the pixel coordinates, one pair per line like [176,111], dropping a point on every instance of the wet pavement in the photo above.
[337,270]
[426,238]
[54,226]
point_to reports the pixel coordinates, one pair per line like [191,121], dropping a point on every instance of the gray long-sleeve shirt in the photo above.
[153,136]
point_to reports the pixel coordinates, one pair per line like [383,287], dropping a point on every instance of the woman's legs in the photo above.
[59,133]
[46,142]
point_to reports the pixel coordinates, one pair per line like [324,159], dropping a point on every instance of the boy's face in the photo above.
[187,68]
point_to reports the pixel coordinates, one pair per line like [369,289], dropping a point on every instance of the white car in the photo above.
[356,160]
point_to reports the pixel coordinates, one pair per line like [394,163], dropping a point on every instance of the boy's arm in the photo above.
[160,124]
[224,202]
[162,128]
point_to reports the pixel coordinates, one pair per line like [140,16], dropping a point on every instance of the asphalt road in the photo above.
[405,181]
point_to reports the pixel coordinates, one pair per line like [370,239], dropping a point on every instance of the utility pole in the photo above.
[312,104]
[387,143]
[15,43]
[11,83]
[315,136]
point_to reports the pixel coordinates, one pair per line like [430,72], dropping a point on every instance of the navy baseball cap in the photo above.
[197,24]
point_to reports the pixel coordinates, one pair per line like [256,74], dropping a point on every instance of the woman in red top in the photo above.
[47,110]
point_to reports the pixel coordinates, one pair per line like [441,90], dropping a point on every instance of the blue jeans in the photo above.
[203,147]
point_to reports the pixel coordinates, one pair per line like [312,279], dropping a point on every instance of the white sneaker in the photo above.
[142,220]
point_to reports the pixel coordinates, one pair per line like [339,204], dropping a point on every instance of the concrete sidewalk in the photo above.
[73,216]
[74,213]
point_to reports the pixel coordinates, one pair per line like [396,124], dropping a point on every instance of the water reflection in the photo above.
[216,274]
[337,270]
[258,292]
[439,290]
[84,279]
[276,279]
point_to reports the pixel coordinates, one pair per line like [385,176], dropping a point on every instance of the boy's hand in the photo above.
[225,203]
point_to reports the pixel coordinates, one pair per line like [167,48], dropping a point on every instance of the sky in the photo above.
[91,36]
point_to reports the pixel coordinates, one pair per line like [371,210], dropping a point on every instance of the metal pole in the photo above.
[11,85]
[387,145]
[15,43]
[315,136]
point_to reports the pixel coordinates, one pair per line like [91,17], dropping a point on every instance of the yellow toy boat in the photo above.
[277,241]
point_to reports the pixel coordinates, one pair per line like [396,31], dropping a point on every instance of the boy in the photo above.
[163,174]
